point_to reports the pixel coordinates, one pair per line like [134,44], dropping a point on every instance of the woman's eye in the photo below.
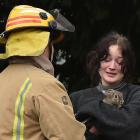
[120,62]
[107,59]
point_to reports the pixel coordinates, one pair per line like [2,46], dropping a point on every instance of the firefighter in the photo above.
[34,104]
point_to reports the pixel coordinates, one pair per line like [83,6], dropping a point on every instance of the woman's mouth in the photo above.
[111,74]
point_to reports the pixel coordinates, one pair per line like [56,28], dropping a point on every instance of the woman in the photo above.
[111,110]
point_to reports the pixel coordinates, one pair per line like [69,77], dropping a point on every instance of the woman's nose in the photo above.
[112,65]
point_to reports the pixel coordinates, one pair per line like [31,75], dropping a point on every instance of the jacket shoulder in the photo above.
[84,92]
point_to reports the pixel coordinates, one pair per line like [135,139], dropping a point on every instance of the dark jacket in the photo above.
[111,122]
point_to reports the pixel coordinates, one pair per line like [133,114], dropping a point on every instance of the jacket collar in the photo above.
[117,87]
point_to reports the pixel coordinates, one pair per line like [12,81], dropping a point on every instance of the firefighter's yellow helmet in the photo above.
[28,29]
[25,16]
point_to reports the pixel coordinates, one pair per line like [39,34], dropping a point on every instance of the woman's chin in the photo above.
[111,81]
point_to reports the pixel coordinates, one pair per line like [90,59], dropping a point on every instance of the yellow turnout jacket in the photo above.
[35,106]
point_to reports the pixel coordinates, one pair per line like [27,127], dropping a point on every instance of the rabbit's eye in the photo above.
[116,96]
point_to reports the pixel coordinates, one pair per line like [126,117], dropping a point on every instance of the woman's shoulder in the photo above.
[84,92]
[134,87]
[131,90]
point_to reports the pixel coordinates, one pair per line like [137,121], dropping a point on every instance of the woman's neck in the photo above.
[114,86]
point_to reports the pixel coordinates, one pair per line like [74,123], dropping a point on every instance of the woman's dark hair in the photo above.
[101,52]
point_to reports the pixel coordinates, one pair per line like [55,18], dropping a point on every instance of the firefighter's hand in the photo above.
[114,97]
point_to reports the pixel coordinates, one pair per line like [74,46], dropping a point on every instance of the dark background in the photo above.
[92,19]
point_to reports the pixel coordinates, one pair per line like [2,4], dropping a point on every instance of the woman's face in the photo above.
[110,68]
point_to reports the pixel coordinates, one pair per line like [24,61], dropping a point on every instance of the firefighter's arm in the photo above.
[56,115]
